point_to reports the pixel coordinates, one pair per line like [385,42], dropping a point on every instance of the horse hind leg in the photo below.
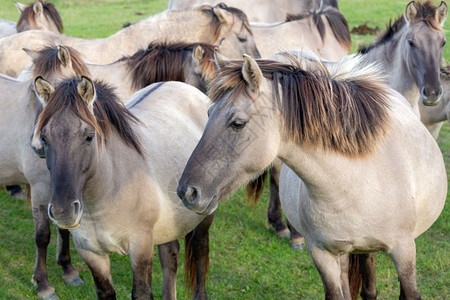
[274,216]
[404,258]
[70,275]
[296,240]
[168,257]
[367,270]
[197,258]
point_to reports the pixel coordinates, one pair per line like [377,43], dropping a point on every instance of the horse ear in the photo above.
[198,53]
[43,89]
[86,90]
[223,15]
[64,56]
[410,12]
[252,73]
[219,59]
[38,8]
[20,7]
[441,13]
[31,53]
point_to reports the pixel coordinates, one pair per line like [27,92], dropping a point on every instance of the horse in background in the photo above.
[339,211]
[261,10]
[223,26]
[38,15]
[323,31]
[434,117]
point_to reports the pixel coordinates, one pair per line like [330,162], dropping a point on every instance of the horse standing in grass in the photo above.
[114,171]
[340,130]
[223,26]
[39,15]
[19,165]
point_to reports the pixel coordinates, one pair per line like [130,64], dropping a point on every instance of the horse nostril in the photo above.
[76,207]
[192,194]
[424,92]
[441,91]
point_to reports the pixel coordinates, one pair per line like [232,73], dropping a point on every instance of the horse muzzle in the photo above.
[192,198]
[431,97]
[66,217]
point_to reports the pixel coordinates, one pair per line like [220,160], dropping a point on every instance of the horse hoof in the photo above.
[72,279]
[285,233]
[48,294]
[76,281]
[297,244]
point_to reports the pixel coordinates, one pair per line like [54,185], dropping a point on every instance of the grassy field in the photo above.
[247,260]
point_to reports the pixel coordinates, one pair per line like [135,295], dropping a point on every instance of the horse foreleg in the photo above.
[329,267]
[404,257]
[197,257]
[274,215]
[100,268]
[344,262]
[42,239]
[168,257]
[70,275]
[141,256]
[296,241]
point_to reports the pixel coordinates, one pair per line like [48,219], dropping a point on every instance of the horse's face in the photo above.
[236,38]
[423,47]
[240,140]
[36,17]
[70,149]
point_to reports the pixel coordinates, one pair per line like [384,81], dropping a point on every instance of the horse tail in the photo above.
[256,187]
[354,275]
[190,268]
[339,26]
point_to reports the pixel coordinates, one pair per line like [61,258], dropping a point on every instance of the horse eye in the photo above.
[242,39]
[411,44]
[90,138]
[443,43]
[238,125]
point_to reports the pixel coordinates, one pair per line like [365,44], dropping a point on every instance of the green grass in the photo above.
[247,260]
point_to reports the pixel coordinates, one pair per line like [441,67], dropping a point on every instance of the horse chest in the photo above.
[95,237]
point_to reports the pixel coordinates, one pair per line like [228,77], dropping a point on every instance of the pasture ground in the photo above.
[247,260]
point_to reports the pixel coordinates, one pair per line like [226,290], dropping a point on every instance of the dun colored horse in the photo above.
[39,15]
[340,130]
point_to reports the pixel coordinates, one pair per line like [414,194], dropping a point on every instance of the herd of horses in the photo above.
[198,100]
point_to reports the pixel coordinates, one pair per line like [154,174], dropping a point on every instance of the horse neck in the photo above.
[117,75]
[391,55]
[188,26]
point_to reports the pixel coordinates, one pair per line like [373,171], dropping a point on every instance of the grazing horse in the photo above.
[114,171]
[323,31]
[410,51]
[433,117]
[223,26]
[372,177]
[39,15]
[260,10]
[19,165]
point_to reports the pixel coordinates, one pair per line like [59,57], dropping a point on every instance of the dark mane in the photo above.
[216,25]
[108,111]
[164,61]
[47,62]
[347,115]
[28,17]
[335,18]
[425,13]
